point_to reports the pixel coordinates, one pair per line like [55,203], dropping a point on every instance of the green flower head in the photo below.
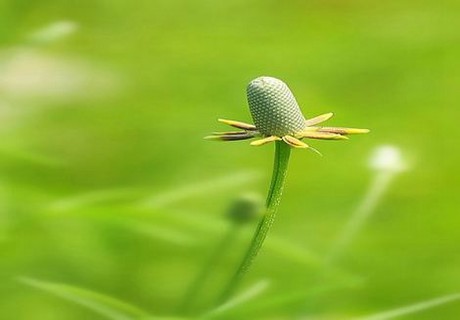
[277,116]
[274,108]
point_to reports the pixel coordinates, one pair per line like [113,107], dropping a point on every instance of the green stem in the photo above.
[282,153]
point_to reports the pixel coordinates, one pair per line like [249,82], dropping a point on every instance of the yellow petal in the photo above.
[264,141]
[293,142]
[321,135]
[238,124]
[340,130]
[230,137]
[228,133]
[318,119]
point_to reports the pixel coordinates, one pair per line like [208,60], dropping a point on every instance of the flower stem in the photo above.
[282,153]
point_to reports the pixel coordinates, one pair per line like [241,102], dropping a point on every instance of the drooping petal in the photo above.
[294,142]
[263,141]
[318,119]
[238,124]
[315,151]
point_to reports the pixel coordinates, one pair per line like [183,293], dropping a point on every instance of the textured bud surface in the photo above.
[274,108]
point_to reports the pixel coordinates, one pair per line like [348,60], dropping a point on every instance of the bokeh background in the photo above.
[107,187]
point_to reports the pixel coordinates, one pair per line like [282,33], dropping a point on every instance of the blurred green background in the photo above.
[107,185]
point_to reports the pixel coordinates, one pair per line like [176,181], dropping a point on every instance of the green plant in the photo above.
[278,119]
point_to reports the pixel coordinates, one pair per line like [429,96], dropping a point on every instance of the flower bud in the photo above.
[246,208]
[273,107]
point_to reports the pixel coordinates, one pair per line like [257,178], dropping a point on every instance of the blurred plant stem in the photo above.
[377,189]
[3,213]
[280,166]
[387,161]
[193,290]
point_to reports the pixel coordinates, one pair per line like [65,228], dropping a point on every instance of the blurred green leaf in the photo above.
[239,300]
[413,308]
[100,303]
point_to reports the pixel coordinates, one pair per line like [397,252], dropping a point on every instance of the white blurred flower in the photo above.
[54,31]
[28,74]
[387,158]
